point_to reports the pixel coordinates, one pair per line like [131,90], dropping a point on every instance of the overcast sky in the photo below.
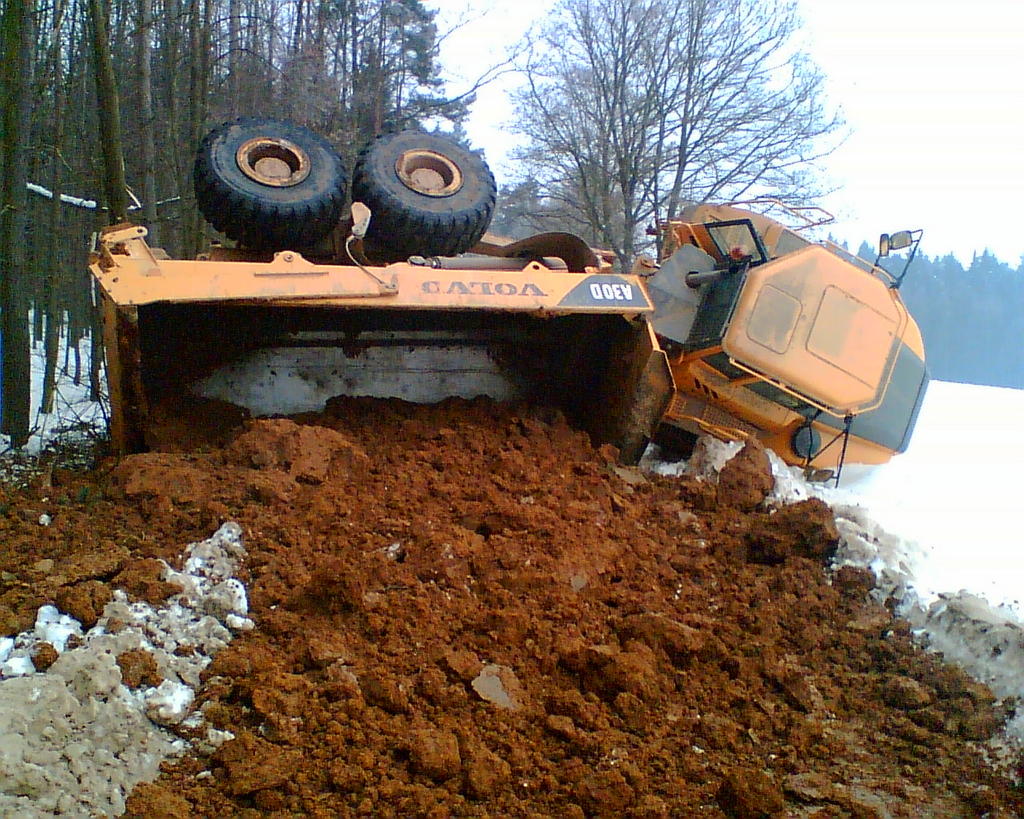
[933,91]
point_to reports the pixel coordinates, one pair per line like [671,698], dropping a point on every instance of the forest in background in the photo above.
[352,69]
[972,318]
[347,69]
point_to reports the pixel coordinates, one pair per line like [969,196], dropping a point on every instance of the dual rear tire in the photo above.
[272,185]
[269,185]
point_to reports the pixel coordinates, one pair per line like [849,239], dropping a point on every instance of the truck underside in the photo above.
[284,334]
[747,329]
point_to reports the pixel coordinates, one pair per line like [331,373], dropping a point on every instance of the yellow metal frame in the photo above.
[136,282]
[129,272]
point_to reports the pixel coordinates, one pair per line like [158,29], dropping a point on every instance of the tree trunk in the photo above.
[54,311]
[200,47]
[234,58]
[147,124]
[297,33]
[16,382]
[109,116]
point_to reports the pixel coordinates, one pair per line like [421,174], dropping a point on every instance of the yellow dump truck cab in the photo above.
[800,344]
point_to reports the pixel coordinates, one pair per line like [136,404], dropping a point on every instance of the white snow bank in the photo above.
[75,740]
[956,492]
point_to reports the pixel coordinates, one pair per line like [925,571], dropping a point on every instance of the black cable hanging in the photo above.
[847,423]
[844,435]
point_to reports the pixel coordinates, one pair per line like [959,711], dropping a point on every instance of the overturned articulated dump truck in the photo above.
[746,329]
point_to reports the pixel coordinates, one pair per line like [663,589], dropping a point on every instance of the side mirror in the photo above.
[897,241]
[900,240]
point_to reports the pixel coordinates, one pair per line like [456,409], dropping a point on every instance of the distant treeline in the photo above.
[972,318]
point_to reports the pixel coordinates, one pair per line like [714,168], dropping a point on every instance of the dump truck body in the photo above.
[279,333]
[770,335]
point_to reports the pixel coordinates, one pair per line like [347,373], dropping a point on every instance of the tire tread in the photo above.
[401,226]
[260,222]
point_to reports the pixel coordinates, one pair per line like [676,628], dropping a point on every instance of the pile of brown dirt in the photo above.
[466,610]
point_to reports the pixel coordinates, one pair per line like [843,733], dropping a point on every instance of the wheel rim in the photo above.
[275,162]
[429,173]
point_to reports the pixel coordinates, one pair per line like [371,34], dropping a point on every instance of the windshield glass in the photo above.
[736,240]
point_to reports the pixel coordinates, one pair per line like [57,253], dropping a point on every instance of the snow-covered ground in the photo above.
[955,492]
[75,416]
[75,739]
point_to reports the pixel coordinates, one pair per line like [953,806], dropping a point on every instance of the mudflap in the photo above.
[638,390]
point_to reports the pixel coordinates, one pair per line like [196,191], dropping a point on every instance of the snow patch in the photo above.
[76,418]
[75,740]
[55,628]
[169,702]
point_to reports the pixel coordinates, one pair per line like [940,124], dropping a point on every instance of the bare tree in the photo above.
[635,107]
[16,37]
[109,116]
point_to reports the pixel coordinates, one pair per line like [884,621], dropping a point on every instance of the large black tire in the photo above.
[429,196]
[270,185]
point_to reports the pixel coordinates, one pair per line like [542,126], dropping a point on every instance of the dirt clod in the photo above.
[388,694]
[151,801]
[84,601]
[746,479]
[605,794]
[906,693]
[143,579]
[435,754]
[750,793]
[307,454]
[138,668]
[485,774]
[251,764]
[805,529]
[854,580]
[45,655]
